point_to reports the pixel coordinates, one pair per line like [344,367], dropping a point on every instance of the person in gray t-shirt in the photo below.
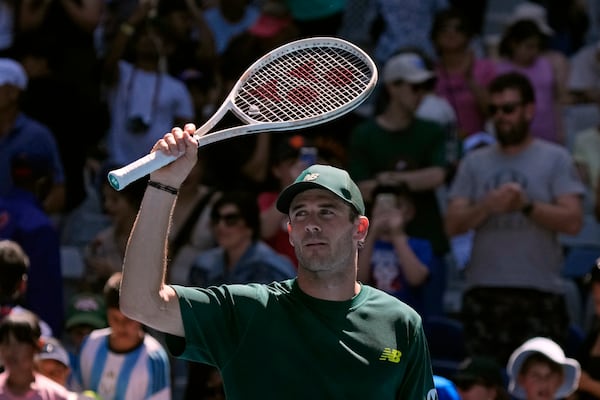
[517,195]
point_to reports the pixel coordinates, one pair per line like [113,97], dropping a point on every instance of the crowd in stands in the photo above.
[478,156]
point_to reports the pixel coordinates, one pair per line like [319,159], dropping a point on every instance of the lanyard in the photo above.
[155,94]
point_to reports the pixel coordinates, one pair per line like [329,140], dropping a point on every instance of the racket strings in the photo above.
[304,83]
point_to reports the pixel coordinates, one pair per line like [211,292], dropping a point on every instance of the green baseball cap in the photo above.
[86,309]
[320,176]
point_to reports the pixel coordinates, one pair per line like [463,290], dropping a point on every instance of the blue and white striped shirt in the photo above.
[143,373]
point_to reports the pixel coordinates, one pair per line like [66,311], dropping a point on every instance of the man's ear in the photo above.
[363,227]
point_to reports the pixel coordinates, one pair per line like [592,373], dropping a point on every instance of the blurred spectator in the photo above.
[104,254]
[19,344]
[204,90]
[462,75]
[316,17]
[241,256]
[392,260]
[68,27]
[436,108]
[114,13]
[480,378]
[7,26]
[539,368]
[65,117]
[518,195]
[53,362]
[404,23]
[123,361]
[24,221]
[144,100]
[286,165]
[586,152]
[584,74]
[188,39]
[85,313]
[275,26]
[570,22]
[190,227]
[523,48]
[396,147]
[228,19]
[21,133]
[14,267]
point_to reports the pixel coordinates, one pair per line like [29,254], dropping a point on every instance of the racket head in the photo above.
[303,83]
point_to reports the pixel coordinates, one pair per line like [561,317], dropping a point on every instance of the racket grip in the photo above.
[120,178]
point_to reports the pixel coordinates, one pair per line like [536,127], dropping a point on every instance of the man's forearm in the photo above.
[460,219]
[144,295]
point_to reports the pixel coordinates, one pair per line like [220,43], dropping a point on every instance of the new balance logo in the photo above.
[432,395]
[390,355]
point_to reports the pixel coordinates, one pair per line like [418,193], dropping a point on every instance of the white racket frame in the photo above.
[122,177]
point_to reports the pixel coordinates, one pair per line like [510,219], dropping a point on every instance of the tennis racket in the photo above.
[297,85]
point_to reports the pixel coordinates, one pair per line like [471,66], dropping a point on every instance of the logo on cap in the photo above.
[311,177]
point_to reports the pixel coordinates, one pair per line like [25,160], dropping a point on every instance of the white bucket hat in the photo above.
[550,349]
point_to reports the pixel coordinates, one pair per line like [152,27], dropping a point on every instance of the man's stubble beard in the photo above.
[514,135]
[327,261]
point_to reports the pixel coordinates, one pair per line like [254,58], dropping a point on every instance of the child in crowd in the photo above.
[53,362]
[20,342]
[123,361]
[390,259]
[539,369]
[480,378]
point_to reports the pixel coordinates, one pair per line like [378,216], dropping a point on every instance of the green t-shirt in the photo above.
[421,145]
[275,342]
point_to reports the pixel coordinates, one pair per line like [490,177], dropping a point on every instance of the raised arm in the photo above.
[145,296]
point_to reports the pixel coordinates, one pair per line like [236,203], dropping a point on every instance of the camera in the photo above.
[137,124]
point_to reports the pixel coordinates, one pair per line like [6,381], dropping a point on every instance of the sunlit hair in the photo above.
[111,290]
[23,325]
[14,264]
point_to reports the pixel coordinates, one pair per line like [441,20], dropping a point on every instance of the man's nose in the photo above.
[312,224]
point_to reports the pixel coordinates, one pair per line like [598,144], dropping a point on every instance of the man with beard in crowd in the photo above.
[518,195]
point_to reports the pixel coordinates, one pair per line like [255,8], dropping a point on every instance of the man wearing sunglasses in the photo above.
[518,195]
[321,335]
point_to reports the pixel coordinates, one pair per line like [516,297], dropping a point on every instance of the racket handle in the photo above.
[119,178]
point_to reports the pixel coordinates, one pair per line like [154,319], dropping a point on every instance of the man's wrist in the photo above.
[165,188]
[527,209]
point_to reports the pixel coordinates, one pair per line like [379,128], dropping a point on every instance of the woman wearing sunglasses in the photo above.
[240,255]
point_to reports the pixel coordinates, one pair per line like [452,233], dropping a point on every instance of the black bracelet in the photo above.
[166,188]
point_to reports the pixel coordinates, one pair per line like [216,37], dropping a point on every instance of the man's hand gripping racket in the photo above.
[297,85]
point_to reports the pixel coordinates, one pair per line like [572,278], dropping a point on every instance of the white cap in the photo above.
[550,349]
[54,350]
[533,12]
[408,67]
[12,73]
